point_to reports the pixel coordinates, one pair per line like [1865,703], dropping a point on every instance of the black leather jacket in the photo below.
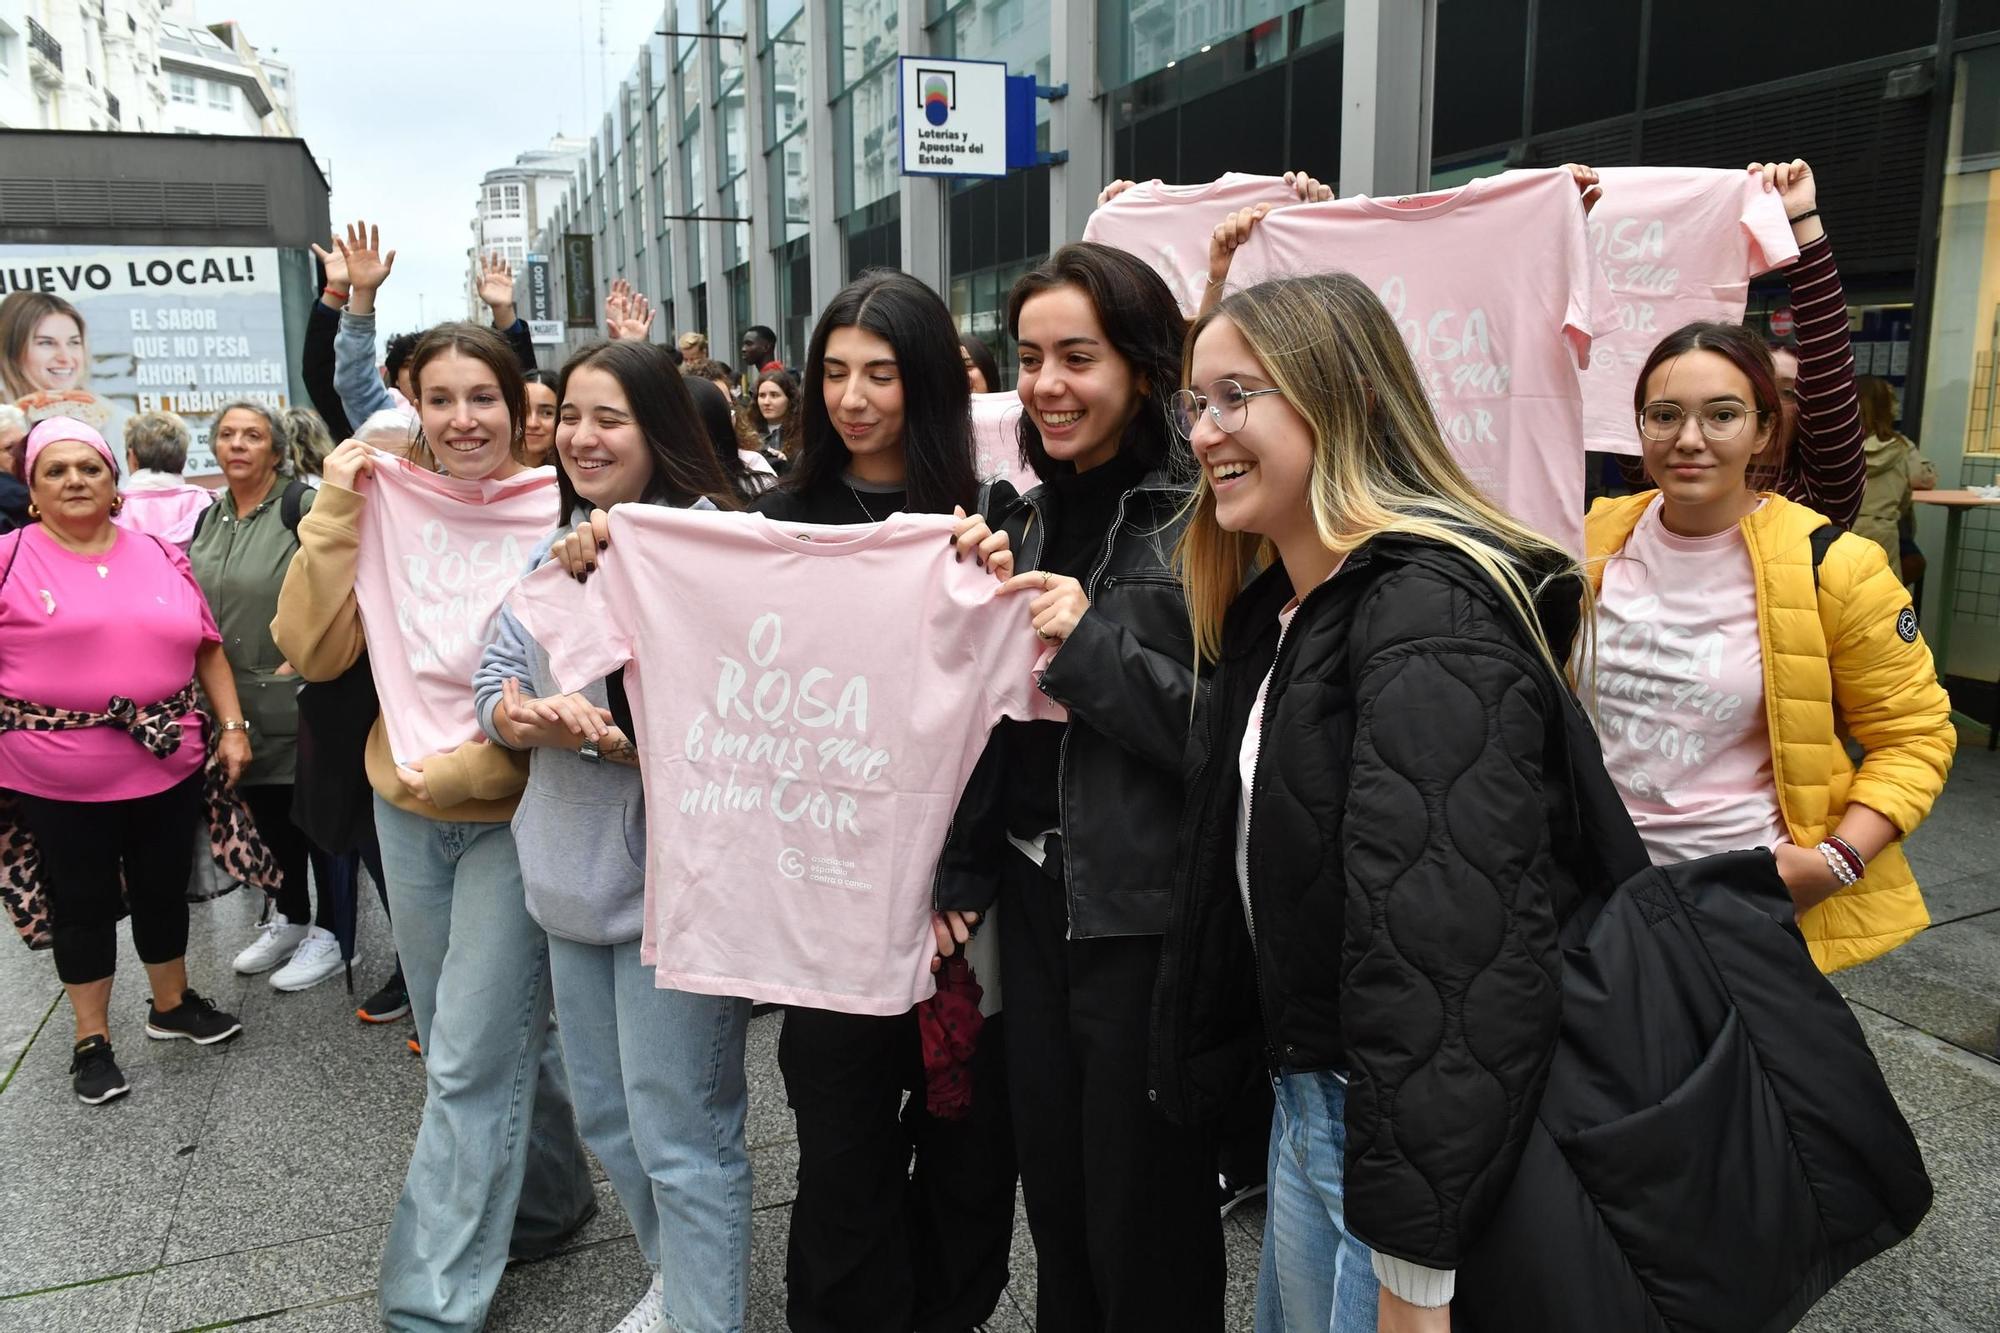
[1126,675]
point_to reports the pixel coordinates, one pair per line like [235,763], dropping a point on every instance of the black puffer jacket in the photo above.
[1126,675]
[1412,849]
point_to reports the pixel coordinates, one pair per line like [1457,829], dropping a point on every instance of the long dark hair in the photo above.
[1145,325]
[481,344]
[937,405]
[788,436]
[684,467]
[982,360]
[718,423]
[1748,353]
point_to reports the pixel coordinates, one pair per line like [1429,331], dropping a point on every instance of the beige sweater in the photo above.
[318,628]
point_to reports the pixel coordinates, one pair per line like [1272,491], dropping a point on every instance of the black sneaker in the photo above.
[386,1005]
[94,1074]
[195,1020]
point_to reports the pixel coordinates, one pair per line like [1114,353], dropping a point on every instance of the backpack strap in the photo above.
[201,519]
[291,505]
[1822,540]
[18,534]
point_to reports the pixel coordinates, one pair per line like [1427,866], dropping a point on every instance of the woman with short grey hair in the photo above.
[158,499]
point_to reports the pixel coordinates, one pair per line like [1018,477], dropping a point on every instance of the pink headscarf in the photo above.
[60,430]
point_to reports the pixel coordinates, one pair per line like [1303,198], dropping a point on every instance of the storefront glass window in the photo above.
[1960,431]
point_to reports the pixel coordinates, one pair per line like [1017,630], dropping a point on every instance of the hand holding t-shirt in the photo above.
[1677,244]
[436,558]
[1169,226]
[809,703]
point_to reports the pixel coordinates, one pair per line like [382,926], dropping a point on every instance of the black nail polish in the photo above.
[604,546]
[959,558]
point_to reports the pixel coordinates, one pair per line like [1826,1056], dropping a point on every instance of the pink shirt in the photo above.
[1169,226]
[1680,693]
[996,441]
[168,511]
[1494,289]
[1677,244]
[436,559]
[76,630]
[810,702]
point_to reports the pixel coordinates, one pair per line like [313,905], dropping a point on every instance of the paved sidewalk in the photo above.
[252,1185]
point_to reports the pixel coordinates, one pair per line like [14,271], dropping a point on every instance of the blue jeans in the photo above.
[497,1158]
[1315,1278]
[657,1076]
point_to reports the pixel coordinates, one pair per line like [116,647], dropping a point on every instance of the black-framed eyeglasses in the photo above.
[1720,422]
[1226,402]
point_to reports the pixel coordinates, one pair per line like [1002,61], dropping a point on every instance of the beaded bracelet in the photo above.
[1854,859]
[1838,864]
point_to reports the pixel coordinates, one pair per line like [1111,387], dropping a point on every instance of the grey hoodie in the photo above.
[580,828]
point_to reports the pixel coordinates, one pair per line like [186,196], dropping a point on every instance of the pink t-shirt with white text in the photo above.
[1680,689]
[1677,244]
[436,559]
[810,701]
[1169,226]
[996,441]
[1497,297]
[77,629]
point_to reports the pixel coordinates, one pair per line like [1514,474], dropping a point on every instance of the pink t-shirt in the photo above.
[1495,291]
[436,559]
[1169,226]
[996,441]
[810,701]
[168,513]
[76,630]
[1677,244]
[1680,693]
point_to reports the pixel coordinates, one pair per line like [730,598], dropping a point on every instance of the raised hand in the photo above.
[1798,191]
[627,313]
[361,250]
[496,286]
[1112,191]
[1310,189]
[334,262]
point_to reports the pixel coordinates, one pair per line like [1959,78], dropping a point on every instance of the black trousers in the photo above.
[90,848]
[877,1245]
[1122,1204]
[271,811]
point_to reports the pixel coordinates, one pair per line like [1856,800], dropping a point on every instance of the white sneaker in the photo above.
[275,941]
[650,1314]
[316,959]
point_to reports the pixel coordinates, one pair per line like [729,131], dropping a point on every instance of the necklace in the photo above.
[859,501]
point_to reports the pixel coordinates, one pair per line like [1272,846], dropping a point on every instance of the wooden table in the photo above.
[1954,504]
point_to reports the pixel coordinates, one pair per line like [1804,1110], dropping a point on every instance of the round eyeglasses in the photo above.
[1226,401]
[1720,422]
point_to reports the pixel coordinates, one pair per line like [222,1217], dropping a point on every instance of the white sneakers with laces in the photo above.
[276,939]
[316,959]
[650,1314]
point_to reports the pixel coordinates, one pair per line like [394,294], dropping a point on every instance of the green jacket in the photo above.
[241,564]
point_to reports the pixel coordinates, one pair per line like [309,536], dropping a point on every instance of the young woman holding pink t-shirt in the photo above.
[497,1158]
[1739,640]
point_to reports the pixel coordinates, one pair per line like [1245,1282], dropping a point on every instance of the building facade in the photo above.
[748,166]
[513,200]
[138,66]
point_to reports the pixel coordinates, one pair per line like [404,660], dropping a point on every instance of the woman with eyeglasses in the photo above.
[1121,1204]
[1739,639]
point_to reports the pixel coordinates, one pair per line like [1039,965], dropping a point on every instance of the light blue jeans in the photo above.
[1315,1277]
[497,1159]
[657,1077]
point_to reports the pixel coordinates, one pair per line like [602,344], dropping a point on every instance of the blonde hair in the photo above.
[1380,462]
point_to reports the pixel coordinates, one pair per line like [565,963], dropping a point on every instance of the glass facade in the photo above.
[1960,430]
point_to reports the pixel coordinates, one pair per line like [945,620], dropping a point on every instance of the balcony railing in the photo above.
[39,40]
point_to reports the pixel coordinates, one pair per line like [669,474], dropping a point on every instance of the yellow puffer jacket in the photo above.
[1847,660]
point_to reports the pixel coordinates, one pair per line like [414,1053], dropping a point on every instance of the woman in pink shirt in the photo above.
[157,498]
[103,638]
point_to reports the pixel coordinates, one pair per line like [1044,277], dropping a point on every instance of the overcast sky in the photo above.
[407,105]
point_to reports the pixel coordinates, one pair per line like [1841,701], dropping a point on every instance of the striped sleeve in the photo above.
[1825,468]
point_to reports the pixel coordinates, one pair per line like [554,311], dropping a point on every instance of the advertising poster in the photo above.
[100,333]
